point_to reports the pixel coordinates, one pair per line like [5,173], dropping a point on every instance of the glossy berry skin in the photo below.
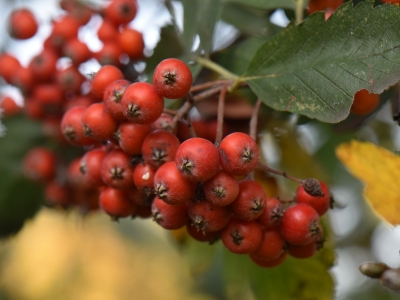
[169,216]
[143,178]
[22,24]
[97,123]
[272,214]
[159,147]
[112,98]
[250,201]
[320,204]
[131,43]
[364,103]
[300,224]
[77,51]
[116,170]
[39,164]
[242,237]
[268,263]
[172,78]
[271,246]
[238,154]
[103,78]
[141,103]
[121,11]
[171,186]
[116,203]
[197,159]
[304,251]
[43,65]
[221,190]
[207,217]
[130,137]
[90,166]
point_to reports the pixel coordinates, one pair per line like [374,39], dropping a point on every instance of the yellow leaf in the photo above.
[379,169]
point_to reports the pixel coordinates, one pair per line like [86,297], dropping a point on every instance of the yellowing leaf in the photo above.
[379,169]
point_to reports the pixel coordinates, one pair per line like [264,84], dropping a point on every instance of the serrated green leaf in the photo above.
[315,69]
[267,4]
[249,22]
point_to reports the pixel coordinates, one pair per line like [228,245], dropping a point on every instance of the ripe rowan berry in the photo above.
[238,154]
[169,216]
[116,203]
[320,202]
[221,190]
[71,127]
[22,24]
[270,263]
[39,164]
[121,11]
[112,98]
[300,224]
[8,65]
[8,107]
[130,137]
[207,217]
[143,178]
[103,78]
[116,170]
[272,214]
[131,42]
[172,78]
[77,51]
[90,166]
[364,103]
[43,65]
[97,123]
[242,237]
[197,159]
[271,246]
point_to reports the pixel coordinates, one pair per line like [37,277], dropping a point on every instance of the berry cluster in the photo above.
[134,162]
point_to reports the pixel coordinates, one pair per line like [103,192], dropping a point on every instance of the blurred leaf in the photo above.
[248,22]
[268,4]
[200,17]
[19,198]
[379,169]
[315,68]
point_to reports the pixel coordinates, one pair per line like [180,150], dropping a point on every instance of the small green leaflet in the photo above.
[314,69]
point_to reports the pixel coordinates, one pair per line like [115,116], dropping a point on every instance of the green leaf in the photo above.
[249,21]
[200,17]
[19,198]
[267,4]
[315,69]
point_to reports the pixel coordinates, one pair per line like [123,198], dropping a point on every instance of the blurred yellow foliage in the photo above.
[59,256]
[379,169]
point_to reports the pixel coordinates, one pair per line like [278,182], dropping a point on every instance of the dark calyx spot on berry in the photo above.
[312,187]
[161,191]
[236,237]
[117,135]
[136,159]
[247,155]
[320,242]
[200,223]
[69,133]
[117,96]
[158,155]
[117,173]
[219,192]
[148,191]
[157,217]
[87,131]
[115,218]
[277,213]
[187,166]
[133,110]
[83,168]
[169,78]
[331,202]
[314,228]
[125,9]
[257,205]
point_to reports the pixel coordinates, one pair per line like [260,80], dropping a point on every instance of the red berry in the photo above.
[171,186]
[141,103]
[90,166]
[77,51]
[121,11]
[238,154]
[203,236]
[116,203]
[207,217]
[43,65]
[97,123]
[22,24]
[8,65]
[164,122]
[8,106]
[242,237]
[269,263]
[320,202]
[143,178]
[57,194]
[197,159]
[221,190]
[250,201]
[364,103]
[131,42]
[39,164]
[71,127]
[305,251]
[169,216]
[116,170]
[112,98]
[159,147]
[130,137]
[300,224]
[103,78]
[272,214]
[172,78]
[272,245]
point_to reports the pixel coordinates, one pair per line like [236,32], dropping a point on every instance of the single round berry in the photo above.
[141,103]
[172,78]
[22,24]
[221,190]
[159,147]
[238,154]
[207,217]
[116,170]
[103,77]
[307,250]
[171,186]
[77,51]
[300,224]
[90,166]
[272,245]
[39,164]
[169,216]
[116,203]
[131,43]
[121,11]
[143,178]
[97,123]
[130,137]
[250,201]
[272,214]
[242,237]
[113,96]
[270,263]
[197,159]
[364,103]
[319,201]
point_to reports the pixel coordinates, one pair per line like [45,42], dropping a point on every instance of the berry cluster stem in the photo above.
[254,120]
[278,172]
[220,116]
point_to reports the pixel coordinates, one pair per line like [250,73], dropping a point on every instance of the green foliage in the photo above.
[269,4]
[315,69]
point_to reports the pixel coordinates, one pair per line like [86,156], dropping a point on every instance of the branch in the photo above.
[220,117]
[278,172]
[254,120]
